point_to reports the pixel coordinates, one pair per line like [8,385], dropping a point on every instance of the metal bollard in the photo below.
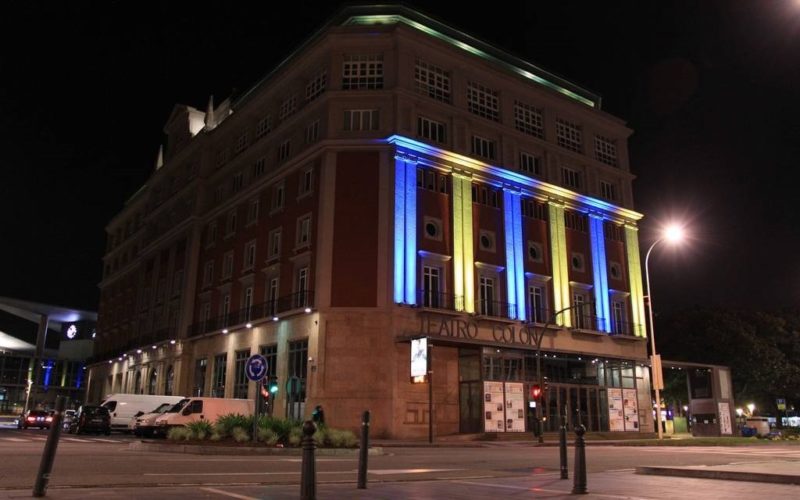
[362,455]
[308,473]
[562,445]
[49,455]
[579,484]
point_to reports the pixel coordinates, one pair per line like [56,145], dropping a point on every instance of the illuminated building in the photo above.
[392,179]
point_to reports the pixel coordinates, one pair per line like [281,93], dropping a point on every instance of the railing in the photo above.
[437,300]
[496,309]
[626,328]
[539,315]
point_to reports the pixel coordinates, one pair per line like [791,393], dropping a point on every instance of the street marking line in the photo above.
[228,494]
[240,473]
[384,472]
[107,440]
[15,440]
[620,470]
[76,440]
[542,490]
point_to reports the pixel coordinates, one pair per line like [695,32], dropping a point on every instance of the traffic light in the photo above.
[536,392]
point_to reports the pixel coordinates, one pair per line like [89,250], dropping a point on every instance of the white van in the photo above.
[123,407]
[144,425]
[208,409]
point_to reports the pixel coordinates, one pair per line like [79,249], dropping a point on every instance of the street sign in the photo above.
[256,367]
[781,403]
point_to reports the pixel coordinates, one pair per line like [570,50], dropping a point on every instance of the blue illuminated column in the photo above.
[515,270]
[598,244]
[405,230]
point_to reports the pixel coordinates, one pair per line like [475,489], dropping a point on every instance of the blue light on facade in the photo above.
[405,231]
[515,270]
[598,244]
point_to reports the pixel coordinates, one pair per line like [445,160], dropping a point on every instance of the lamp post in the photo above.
[672,234]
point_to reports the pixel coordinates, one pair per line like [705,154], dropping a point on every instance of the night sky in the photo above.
[711,88]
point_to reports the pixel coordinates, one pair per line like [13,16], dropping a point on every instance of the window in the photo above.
[227,265]
[433,228]
[537,304]
[485,196]
[259,166]
[252,211]
[312,132]
[270,353]
[223,155]
[483,147]
[272,295]
[483,101]
[486,241]
[238,181]
[249,256]
[274,242]
[619,323]
[264,126]
[487,303]
[431,130]
[302,288]
[534,209]
[608,190]
[581,315]
[613,231]
[208,273]
[169,381]
[306,184]
[284,149]
[303,231]
[151,386]
[568,135]
[287,108]
[241,143]
[530,164]
[570,178]
[615,270]
[230,224]
[528,120]
[277,196]
[535,252]
[219,193]
[218,380]
[316,86]
[362,72]
[577,262]
[431,287]
[575,221]
[432,81]
[605,150]
[211,234]
[200,367]
[296,385]
[361,119]
[226,309]
[241,382]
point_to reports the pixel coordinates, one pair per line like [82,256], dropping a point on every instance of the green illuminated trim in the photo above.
[397,19]
[558,252]
[635,278]
[463,258]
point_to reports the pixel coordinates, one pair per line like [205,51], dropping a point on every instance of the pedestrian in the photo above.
[318,416]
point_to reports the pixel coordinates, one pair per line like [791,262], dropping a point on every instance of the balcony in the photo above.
[495,309]
[436,300]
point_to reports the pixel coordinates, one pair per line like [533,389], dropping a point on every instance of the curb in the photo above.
[727,475]
[243,450]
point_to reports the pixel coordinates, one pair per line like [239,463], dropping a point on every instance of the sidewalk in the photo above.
[785,472]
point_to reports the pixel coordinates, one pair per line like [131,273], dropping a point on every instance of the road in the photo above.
[107,462]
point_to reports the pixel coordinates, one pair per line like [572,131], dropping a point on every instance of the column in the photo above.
[515,248]
[405,230]
[463,258]
[635,279]
[600,269]
[558,255]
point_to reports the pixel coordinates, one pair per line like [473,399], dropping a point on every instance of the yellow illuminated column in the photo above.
[635,279]
[463,259]
[558,255]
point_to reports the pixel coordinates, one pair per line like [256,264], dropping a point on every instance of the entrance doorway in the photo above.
[583,405]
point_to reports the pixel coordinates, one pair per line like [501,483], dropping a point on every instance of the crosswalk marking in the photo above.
[15,440]
[77,440]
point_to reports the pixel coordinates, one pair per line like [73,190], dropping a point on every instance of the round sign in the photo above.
[256,367]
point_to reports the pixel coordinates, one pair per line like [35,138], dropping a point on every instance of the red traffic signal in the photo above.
[536,392]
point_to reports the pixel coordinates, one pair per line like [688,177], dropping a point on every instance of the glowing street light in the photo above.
[751,407]
[672,234]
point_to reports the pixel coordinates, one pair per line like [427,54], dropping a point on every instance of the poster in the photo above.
[515,407]
[419,357]
[725,418]
[616,418]
[630,406]
[494,407]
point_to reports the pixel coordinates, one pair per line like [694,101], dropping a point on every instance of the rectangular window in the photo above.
[249,256]
[534,209]
[528,119]
[619,324]
[483,101]
[264,126]
[208,273]
[284,150]
[303,231]
[252,211]
[272,296]
[270,353]
[487,301]
[581,315]
[530,164]
[613,231]
[211,234]
[298,360]
[287,108]
[226,310]
[306,184]
[608,190]
[218,381]
[431,130]
[312,132]
[223,155]
[230,224]
[316,86]
[238,181]
[241,143]
[432,81]
[259,167]
[571,178]
[274,241]
[227,265]
[219,193]
[278,196]
[568,135]
[200,367]
[248,303]
[483,147]
[362,72]
[431,287]
[605,150]
[575,221]
[241,381]
[301,297]
[536,304]
[361,119]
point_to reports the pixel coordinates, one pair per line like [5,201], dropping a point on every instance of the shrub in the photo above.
[178,434]
[322,436]
[215,436]
[342,439]
[295,435]
[267,436]
[200,430]
[240,435]
[226,423]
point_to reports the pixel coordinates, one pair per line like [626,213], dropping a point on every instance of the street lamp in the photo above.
[752,408]
[672,234]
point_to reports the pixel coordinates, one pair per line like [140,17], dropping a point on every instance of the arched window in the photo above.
[137,386]
[169,382]
[151,389]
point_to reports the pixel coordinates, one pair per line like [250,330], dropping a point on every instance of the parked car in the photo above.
[35,418]
[91,418]
[69,417]
[197,409]
[143,425]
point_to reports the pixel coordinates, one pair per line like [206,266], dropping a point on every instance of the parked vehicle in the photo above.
[91,418]
[144,424]
[209,409]
[69,417]
[35,418]
[123,407]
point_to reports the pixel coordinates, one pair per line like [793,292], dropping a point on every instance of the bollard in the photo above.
[562,445]
[308,473]
[49,455]
[362,454]
[579,484]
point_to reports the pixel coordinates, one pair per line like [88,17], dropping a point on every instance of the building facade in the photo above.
[392,180]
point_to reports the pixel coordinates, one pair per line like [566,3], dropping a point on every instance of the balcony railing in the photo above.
[625,328]
[438,300]
[495,309]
